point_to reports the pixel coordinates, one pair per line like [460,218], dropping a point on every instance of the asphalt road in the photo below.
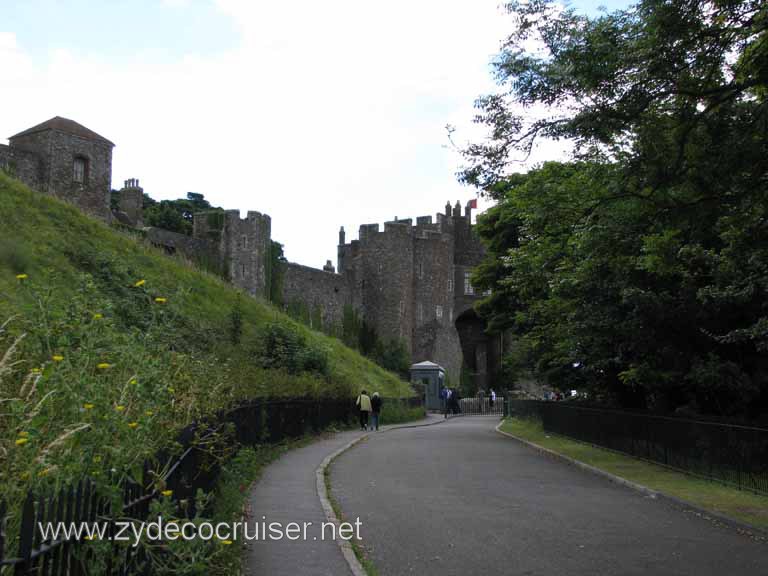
[460,499]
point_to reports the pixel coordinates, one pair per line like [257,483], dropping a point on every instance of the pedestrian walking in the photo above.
[446,393]
[455,397]
[364,403]
[375,410]
[492,401]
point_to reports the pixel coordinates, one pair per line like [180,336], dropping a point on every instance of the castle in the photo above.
[410,282]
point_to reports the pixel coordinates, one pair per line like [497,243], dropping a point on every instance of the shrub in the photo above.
[284,347]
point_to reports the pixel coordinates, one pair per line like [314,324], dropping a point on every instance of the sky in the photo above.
[320,114]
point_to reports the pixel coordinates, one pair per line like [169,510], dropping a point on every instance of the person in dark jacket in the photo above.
[455,397]
[445,393]
[375,410]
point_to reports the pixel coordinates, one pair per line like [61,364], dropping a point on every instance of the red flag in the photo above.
[472,204]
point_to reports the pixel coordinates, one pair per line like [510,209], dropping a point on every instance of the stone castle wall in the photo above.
[321,290]
[21,164]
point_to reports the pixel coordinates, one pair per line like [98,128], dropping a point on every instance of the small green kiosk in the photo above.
[432,376]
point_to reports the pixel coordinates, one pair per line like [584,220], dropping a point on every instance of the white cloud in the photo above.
[326,113]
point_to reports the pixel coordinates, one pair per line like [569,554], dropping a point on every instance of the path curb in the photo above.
[323,489]
[742,527]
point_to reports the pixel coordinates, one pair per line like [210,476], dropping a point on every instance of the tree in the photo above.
[640,267]
[175,215]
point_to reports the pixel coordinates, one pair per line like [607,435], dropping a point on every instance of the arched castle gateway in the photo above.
[409,282]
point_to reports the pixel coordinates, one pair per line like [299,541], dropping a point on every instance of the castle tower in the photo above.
[246,244]
[340,252]
[74,163]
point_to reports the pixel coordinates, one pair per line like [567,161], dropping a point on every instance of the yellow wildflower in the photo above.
[88,406]
[21,441]
[57,358]
[36,371]
[103,365]
[226,542]
[140,283]
[21,276]
[149,413]
[133,381]
[167,492]
[133,424]
[23,434]
[119,407]
[171,390]
[161,300]
[98,316]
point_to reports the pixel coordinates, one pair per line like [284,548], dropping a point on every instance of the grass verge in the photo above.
[745,506]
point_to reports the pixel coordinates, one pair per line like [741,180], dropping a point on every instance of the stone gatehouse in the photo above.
[408,281]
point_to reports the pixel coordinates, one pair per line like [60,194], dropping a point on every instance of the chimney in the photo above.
[329,267]
[342,236]
[131,201]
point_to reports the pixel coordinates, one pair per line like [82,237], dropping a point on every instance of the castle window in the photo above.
[420,270]
[450,285]
[438,312]
[244,242]
[80,170]
[421,312]
[242,270]
[469,290]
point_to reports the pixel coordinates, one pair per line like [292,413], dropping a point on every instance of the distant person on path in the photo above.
[364,403]
[446,393]
[455,397]
[375,410]
[492,401]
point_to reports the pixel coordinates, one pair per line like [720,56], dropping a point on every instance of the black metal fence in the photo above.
[731,454]
[260,422]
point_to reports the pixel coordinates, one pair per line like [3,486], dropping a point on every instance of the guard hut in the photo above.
[432,376]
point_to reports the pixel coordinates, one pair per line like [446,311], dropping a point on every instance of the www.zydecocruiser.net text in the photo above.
[228,532]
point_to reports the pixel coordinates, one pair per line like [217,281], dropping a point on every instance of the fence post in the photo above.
[26,534]
[3,508]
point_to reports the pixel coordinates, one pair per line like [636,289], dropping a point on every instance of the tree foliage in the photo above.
[175,215]
[638,269]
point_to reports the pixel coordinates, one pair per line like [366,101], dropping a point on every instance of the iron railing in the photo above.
[736,455]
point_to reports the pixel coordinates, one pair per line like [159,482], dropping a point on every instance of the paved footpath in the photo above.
[287,492]
[461,499]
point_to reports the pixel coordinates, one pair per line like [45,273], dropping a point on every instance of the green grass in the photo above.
[108,348]
[393,412]
[745,506]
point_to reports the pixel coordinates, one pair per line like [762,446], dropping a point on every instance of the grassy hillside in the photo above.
[108,346]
